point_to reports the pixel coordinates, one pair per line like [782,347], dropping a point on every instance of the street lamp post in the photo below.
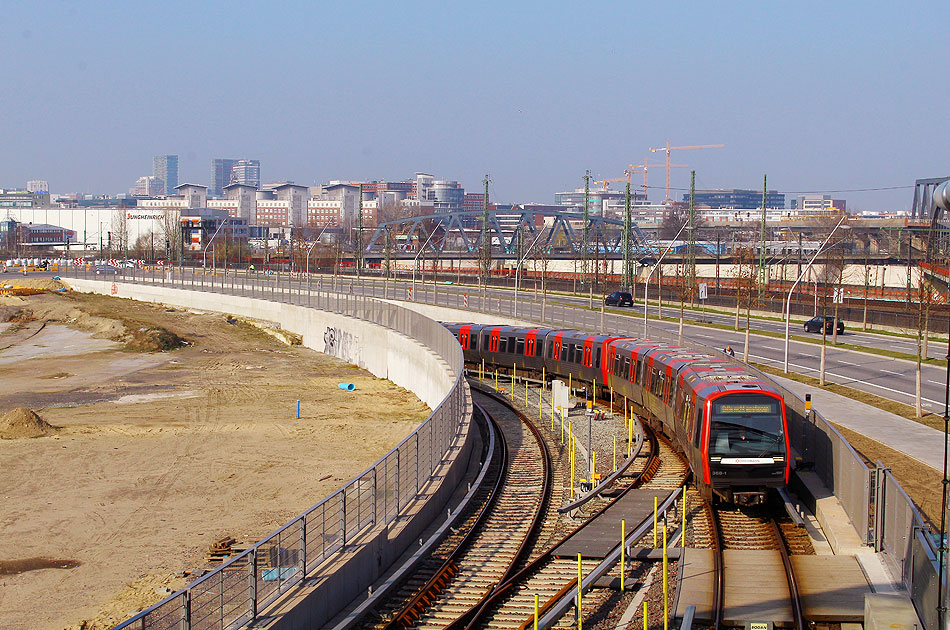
[788,300]
[415,260]
[941,198]
[646,286]
[518,270]
[204,255]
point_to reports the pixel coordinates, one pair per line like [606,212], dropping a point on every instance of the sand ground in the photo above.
[158,454]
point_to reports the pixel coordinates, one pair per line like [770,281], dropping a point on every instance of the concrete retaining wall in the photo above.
[385,353]
[382,351]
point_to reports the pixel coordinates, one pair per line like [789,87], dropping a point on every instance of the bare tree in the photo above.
[746,274]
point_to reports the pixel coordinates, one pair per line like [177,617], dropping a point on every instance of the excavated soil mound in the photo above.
[23,423]
[153,339]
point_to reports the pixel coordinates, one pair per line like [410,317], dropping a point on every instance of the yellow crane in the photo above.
[645,169]
[614,179]
[668,148]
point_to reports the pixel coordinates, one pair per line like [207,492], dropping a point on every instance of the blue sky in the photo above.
[820,96]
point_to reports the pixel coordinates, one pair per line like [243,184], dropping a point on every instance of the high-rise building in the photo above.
[148,186]
[165,167]
[220,175]
[37,185]
[246,172]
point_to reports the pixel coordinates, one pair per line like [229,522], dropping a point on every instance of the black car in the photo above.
[814,324]
[618,298]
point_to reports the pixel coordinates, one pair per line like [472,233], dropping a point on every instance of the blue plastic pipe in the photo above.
[347,386]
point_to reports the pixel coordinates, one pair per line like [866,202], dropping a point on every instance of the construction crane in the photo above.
[668,148]
[614,179]
[645,169]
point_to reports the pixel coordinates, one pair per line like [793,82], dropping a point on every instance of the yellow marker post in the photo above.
[562,426]
[526,392]
[623,550]
[571,457]
[593,392]
[543,379]
[611,398]
[645,617]
[570,386]
[552,413]
[666,585]
[483,369]
[615,453]
[535,611]
[580,594]
[593,465]
[683,527]
[630,438]
[496,379]
[512,386]
[540,407]
[654,522]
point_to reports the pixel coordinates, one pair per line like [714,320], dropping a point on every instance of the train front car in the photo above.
[746,447]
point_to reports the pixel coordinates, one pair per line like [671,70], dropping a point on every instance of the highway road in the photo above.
[883,376]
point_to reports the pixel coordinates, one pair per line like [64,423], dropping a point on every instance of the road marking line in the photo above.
[893,372]
[848,378]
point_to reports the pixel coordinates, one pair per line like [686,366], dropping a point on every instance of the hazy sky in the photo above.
[820,96]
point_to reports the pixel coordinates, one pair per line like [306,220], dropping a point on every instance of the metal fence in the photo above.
[910,547]
[233,595]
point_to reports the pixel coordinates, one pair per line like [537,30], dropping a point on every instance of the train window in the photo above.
[565,355]
[698,430]
[626,367]
[519,347]
[597,362]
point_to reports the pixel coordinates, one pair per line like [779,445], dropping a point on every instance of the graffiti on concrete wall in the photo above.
[342,344]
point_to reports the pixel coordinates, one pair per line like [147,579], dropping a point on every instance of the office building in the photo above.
[722,198]
[148,186]
[818,204]
[297,197]
[165,167]
[246,172]
[220,175]
[37,185]
[446,196]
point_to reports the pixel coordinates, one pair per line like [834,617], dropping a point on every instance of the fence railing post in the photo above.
[185,612]
[252,582]
[303,546]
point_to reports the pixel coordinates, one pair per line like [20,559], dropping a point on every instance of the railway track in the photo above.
[496,543]
[511,605]
[747,529]
[491,579]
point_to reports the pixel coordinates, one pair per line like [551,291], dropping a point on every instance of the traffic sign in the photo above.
[702,291]
[839,295]
[465,300]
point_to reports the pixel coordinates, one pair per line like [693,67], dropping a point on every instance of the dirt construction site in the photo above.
[133,437]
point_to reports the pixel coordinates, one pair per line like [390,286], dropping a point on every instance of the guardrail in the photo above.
[233,595]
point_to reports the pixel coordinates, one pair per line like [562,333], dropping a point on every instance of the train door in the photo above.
[464,335]
[493,340]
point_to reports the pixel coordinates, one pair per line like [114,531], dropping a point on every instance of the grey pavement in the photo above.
[911,438]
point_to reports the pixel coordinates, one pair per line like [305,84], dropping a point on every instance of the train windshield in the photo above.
[746,425]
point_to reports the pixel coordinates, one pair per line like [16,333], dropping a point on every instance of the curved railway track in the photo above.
[497,542]
[511,605]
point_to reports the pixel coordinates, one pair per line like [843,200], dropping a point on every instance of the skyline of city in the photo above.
[523,97]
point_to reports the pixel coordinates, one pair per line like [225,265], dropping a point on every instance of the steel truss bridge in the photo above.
[461,233]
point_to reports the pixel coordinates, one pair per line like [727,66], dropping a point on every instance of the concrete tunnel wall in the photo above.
[393,356]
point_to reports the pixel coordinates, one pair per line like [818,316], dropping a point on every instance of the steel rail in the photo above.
[719,570]
[406,616]
[476,614]
[794,594]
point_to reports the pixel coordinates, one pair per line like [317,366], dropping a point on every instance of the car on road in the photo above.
[106,269]
[618,298]
[814,324]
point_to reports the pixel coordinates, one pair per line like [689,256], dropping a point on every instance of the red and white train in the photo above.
[729,424]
